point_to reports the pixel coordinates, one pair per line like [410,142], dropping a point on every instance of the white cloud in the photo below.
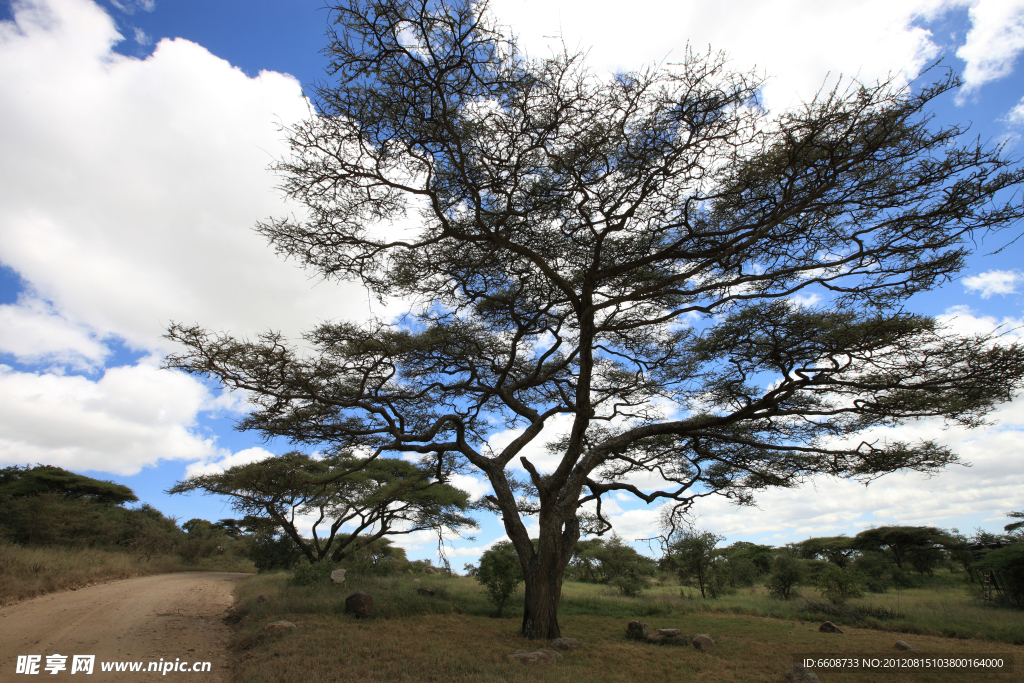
[130,418]
[243,457]
[994,282]
[1016,115]
[34,332]
[800,44]
[129,188]
[993,43]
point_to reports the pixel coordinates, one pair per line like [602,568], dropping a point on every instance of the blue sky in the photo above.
[137,136]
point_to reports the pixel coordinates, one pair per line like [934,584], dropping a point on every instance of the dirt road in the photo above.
[170,617]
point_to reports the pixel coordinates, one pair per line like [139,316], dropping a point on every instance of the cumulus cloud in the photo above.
[129,188]
[993,43]
[34,332]
[130,418]
[800,44]
[994,282]
[243,457]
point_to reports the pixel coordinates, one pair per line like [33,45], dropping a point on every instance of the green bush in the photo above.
[876,570]
[314,574]
[839,585]
[271,552]
[500,573]
[1008,565]
[787,573]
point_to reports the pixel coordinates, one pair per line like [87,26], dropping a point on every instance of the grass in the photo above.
[28,572]
[454,637]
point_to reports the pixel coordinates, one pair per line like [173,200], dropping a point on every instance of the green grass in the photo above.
[454,637]
[28,572]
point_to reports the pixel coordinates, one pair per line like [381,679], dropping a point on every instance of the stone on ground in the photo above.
[536,656]
[360,604]
[798,674]
[281,625]
[829,627]
[338,576]
[904,645]
[703,642]
[565,644]
[637,630]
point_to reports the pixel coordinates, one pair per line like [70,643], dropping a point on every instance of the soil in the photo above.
[167,616]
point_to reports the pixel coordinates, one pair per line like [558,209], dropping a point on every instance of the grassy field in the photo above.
[28,572]
[453,637]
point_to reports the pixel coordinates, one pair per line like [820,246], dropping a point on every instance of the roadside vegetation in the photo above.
[61,530]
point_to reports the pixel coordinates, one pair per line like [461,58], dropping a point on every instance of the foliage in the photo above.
[836,549]
[500,573]
[379,558]
[312,574]
[876,568]
[698,562]
[787,573]
[569,225]
[906,542]
[839,584]
[610,562]
[1008,566]
[18,482]
[380,496]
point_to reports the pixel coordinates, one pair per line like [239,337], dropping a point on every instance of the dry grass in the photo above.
[451,640]
[28,572]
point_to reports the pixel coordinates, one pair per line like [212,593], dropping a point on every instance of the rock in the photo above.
[655,639]
[360,604]
[565,644]
[338,576]
[703,642]
[429,592]
[279,626]
[798,674]
[429,570]
[669,632]
[637,630]
[416,581]
[904,645]
[536,656]
[829,627]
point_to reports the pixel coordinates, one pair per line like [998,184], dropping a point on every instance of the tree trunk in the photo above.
[544,578]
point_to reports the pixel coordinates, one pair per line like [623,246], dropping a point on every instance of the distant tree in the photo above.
[500,573]
[625,253]
[905,542]
[697,561]
[835,549]
[759,556]
[787,573]
[385,496]
[839,585]
[30,481]
[1015,530]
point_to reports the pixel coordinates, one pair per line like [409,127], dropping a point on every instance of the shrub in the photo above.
[1008,565]
[313,574]
[270,552]
[500,573]
[787,573]
[876,570]
[839,585]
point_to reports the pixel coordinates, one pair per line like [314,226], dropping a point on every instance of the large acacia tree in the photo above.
[624,253]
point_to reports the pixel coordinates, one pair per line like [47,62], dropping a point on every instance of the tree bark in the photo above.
[543,577]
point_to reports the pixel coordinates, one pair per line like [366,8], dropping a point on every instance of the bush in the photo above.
[839,585]
[313,574]
[1008,565]
[630,584]
[787,573]
[876,570]
[270,552]
[500,573]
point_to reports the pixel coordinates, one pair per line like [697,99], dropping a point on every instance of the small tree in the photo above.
[787,573]
[698,561]
[500,573]
[835,549]
[839,585]
[380,497]
[903,542]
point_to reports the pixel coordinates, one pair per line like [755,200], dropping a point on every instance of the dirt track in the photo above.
[169,617]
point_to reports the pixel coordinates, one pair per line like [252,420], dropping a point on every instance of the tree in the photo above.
[835,549]
[622,253]
[696,559]
[907,542]
[29,481]
[787,573]
[385,496]
[500,573]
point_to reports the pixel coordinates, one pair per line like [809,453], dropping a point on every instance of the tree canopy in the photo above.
[28,481]
[624,253]
[386,496]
